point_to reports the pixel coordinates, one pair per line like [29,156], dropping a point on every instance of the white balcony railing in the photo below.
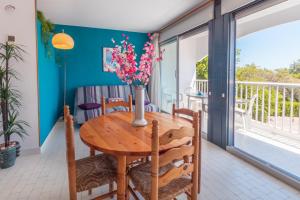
[277,104]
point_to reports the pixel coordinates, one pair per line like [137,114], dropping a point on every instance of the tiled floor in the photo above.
[224,177]
[266,143]
[270,150]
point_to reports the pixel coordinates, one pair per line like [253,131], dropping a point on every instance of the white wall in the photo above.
[191,50]
[21,23]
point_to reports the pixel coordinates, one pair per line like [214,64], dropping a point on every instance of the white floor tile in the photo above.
[224,177]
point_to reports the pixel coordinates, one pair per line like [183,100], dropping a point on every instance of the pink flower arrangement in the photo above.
[124,56]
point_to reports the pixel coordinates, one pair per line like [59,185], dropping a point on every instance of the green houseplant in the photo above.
[10,103]
[47,31]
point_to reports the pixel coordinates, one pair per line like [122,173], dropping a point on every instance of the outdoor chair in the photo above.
[246,114]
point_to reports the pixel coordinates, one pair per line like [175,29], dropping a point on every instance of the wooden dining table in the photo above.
[114,134]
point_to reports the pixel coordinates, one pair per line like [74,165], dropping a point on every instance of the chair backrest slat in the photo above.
[105,105]
[66,112]
[175,154]
[188,115]
[71,155]
[195,158]
[176,172]
[154,161]
[183,111]
[175,134]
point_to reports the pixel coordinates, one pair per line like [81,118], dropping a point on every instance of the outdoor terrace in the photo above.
[267,122]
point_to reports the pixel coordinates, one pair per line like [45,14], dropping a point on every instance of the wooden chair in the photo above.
[160,178]
[87,173]
[105,105]
[66,112]
[183,112]
[131,160]
[125,104]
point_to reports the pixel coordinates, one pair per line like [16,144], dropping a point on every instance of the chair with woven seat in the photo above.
[66,112]
[127,107]
[118,103]
[86,173]
[187,114]
[163,179]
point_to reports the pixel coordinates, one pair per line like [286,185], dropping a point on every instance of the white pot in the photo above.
[139,107]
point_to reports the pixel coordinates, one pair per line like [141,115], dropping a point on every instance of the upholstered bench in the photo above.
[93,94]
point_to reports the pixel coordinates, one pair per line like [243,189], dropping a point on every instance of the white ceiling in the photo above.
[282,13]
[130,15]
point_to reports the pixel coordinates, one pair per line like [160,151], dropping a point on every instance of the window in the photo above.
[267,118]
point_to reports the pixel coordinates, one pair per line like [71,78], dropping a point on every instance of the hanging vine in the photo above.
[47,31]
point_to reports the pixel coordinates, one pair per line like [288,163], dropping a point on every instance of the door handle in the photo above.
[223,95]
[209,93]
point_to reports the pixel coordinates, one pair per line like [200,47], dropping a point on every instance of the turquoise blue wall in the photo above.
[50,91]
[84,67]
[84,62]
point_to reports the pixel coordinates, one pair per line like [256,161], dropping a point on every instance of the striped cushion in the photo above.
[93,94]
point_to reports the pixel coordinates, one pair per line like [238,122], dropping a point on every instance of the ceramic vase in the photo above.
[139,117]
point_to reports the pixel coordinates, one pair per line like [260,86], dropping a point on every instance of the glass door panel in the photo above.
[168,76]
[267,118]
[193,73]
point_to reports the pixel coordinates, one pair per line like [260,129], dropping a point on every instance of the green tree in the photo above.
[252,72]
[202,68]
[202,65]
[295,67]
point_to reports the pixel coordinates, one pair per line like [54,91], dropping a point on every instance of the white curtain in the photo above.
[154,87]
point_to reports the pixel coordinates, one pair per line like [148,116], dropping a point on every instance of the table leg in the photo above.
[121,185]
[189,102]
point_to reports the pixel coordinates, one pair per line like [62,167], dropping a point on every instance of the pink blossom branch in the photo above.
[125,58]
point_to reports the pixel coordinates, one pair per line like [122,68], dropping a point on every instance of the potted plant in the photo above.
[10,103]
[124,57]
[46,32]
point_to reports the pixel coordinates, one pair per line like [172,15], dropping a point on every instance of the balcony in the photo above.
[267,121]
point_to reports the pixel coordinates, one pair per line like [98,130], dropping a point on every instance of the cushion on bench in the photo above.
[93,94]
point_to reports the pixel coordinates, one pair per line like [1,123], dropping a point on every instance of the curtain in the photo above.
[154,87]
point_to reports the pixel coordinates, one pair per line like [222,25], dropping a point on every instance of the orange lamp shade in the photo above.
[62,41]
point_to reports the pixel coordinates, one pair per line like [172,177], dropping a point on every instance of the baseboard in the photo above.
[41,149]
[51,135]
[274,171]
[204,135]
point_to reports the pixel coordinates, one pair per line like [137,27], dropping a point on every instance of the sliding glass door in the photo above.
[168,76]
[193,73]
[184,74]
[267,85]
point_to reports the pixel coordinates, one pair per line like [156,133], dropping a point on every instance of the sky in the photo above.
[271,48]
